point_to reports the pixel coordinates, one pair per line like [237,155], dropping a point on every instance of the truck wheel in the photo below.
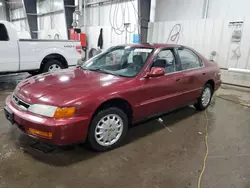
[52,66]
[205,98]
[107,129]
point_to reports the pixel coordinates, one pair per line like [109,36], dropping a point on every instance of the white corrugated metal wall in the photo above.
[171,10]
[230,9]
[21,25]
[2,10]
[99,17]
[50,26]
[207,35]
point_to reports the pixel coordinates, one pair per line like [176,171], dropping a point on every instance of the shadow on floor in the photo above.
[64,156]
[9,81]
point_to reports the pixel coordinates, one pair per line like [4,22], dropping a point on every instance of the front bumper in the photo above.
[64,131]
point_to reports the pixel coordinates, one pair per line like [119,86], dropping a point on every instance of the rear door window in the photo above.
[3,33]
[189,60]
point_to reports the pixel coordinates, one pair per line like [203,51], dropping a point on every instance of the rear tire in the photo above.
[52,65]
[107,129]
[33,73]
[204,100]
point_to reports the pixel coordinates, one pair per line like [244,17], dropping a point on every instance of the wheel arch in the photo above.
[118,102]
[55,56]
[211,83]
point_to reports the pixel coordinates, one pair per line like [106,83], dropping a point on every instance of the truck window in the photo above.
[3,33]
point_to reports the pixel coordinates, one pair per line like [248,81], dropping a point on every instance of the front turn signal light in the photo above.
[47,135]
[64,112]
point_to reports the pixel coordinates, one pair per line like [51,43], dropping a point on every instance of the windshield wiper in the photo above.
[105,71]
[82,68]
[99,70]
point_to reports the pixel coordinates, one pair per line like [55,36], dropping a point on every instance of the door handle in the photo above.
[203,73]
[177,79]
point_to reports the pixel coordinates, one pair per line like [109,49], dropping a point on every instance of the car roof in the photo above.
[152,45]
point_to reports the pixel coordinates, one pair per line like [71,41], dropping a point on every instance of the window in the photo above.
[111,58]
[3,33]
[168,55]
[189,59]
[123,61]
[144,56]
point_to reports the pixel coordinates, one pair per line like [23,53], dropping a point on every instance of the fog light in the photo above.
[42,134]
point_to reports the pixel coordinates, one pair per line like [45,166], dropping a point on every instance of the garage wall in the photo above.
[20,22]
[207,36]
[170,10]
[152,10]
[230,9]
[2,11]
[51,22]
[98,17]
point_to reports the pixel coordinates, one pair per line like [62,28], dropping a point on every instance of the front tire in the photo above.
[108,129]
[205,99]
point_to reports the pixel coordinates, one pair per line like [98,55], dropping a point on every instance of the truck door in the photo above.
[9,57]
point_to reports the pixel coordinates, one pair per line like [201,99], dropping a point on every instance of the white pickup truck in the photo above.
[20,55]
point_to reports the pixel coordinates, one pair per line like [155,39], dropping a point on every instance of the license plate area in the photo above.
[9,114]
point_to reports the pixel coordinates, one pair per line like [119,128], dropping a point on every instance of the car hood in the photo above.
[64,86]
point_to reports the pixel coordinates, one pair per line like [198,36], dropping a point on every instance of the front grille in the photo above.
[21,104]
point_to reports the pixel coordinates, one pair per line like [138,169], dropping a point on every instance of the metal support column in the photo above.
[144,15]
[69,6]
[7,10]
[31,12]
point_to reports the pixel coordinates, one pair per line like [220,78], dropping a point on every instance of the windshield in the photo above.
[120,61]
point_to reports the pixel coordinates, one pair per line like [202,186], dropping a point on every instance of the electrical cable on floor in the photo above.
[161,122]
[206,154]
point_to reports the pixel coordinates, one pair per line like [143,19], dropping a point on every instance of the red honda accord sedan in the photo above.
[96,101]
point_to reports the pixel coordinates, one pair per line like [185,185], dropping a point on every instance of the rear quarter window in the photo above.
[189,59]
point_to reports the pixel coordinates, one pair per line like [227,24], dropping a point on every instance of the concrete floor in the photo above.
[153,157]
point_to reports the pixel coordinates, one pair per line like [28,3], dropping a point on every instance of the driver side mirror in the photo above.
[158,69]
[155,72]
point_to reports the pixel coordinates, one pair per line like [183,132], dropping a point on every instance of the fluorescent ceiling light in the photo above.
[1,4]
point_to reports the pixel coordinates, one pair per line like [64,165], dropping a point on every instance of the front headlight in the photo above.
[52,111]
[43,110]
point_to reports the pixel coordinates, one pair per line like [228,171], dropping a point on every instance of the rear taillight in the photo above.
[79,49]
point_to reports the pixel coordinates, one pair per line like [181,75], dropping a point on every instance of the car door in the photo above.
[9,59]
[161,94]
[193,72]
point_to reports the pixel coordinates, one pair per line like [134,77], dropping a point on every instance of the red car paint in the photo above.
[87,90]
